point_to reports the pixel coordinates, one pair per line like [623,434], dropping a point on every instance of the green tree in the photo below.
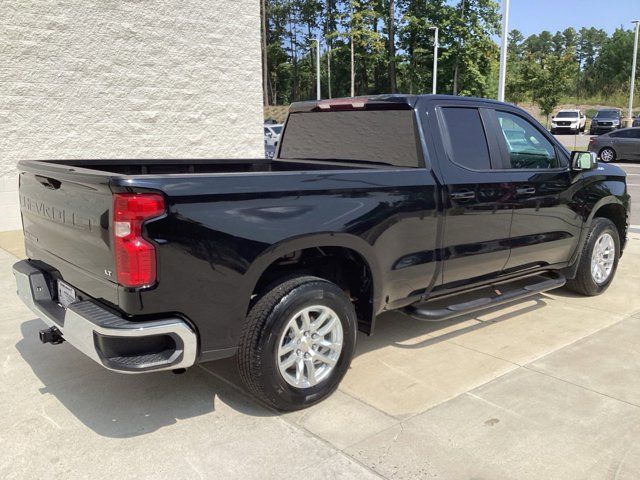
[416,38]
[516,87]
[470,53]
[392,44]
[549,77]
[611,70]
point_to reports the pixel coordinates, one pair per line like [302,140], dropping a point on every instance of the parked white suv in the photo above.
[272,133]
[571,121]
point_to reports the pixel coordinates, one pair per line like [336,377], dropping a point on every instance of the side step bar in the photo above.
[426,314]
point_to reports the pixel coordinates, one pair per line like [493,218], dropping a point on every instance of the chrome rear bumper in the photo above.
[114,342]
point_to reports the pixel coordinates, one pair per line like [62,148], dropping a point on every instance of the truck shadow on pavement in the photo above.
[450,329]
[118,405]
[121,406]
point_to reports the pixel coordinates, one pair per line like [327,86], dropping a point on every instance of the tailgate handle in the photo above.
[51,183]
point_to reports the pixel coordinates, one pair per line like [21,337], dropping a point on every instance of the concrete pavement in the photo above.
[547,388]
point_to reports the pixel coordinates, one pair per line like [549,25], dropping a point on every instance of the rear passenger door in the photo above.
[545,229]
[476,200]
[626,143]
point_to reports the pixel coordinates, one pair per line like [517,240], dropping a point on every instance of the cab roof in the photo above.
[378,102]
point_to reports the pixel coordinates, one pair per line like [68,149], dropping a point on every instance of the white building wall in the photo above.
[126,79]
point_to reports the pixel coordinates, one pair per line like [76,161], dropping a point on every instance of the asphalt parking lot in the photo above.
[575,141]
[546,388]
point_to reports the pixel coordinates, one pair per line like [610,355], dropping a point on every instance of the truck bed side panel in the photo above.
[221,232]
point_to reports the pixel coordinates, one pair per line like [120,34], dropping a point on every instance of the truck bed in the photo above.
[194,166]
[67,212]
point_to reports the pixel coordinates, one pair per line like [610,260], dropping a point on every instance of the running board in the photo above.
[439,314]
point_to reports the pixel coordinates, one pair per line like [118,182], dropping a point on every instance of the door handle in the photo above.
[463,195]
[526,191]
[51,183]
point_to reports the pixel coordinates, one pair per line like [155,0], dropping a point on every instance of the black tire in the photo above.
[584,283]
[608,154]
[264,327]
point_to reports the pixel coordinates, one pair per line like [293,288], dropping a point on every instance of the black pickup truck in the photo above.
[436,206]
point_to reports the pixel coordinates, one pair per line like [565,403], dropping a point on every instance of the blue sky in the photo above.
[533,16]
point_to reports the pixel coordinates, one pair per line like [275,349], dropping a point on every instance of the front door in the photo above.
[545,229]
[477,209]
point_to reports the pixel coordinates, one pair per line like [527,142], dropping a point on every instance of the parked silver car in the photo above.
[621,144]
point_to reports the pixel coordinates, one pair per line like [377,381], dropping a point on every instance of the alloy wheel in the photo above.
[310,346]
[603,258]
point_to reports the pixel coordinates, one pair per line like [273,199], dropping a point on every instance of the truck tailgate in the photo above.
[66,226]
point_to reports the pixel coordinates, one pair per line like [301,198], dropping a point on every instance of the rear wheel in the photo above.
[297,343]
[599,259]
[607,154]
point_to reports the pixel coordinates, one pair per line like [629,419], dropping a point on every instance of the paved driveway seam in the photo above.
[548,353]
[296,425]
[531,369]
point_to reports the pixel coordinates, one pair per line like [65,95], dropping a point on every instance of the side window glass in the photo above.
[528,148]
[634,133]
[619,134]
[467,137]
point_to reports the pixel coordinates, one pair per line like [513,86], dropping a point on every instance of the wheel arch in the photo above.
[614,209]
[342,251]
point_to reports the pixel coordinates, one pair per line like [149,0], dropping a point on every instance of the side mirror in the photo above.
[584,160]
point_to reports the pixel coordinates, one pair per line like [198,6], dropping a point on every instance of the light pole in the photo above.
[329,68]
[503,50]
[633,72]
[317,40]
[435,59]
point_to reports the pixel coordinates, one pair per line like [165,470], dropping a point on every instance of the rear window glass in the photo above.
[468,141]
[382,136]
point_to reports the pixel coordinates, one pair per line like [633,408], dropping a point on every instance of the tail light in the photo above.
[135,257]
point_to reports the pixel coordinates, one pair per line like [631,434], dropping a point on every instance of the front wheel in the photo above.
[607,155]
[297,343]
[599,259]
